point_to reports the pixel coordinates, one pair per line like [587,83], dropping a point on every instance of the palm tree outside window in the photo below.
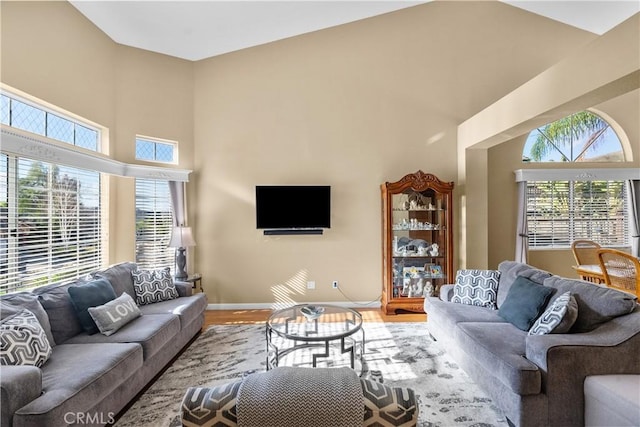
[561,211]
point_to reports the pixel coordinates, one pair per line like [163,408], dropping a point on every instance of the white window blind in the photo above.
[154,221]
[50,223]
[559,212]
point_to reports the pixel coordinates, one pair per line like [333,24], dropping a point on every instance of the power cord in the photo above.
[359,303]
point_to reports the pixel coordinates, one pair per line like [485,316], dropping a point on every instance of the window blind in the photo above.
[559,212]
[50,223]
[154,221]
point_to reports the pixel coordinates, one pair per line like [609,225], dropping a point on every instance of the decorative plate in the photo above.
[311,312]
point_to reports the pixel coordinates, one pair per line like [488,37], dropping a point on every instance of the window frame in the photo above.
[602,157]
[155,142]
[76,121]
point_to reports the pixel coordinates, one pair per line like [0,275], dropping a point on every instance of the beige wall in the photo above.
[351,106]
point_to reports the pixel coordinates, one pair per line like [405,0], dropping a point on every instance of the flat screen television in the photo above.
[293,207]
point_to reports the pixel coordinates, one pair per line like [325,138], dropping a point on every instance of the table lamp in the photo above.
[181,238]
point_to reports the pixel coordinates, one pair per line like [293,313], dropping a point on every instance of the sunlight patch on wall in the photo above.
[284,293]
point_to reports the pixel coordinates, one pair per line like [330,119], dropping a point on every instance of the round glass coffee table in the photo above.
[324,326]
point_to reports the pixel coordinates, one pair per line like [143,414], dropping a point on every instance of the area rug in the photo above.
[403,354]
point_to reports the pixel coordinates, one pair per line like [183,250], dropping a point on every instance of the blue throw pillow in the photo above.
[525,302]
[90,294]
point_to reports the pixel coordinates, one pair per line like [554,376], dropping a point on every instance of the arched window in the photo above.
[559,211]
[580,137]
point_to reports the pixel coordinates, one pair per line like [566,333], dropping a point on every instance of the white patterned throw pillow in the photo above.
[23,341]
[476,287]
[558,318]
[153,286]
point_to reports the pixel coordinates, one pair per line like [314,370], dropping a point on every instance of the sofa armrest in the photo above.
[185,289]
[19,385]
[446,292]
[565,360]
[611,334]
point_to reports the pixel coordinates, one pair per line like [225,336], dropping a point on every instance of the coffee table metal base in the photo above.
[348,344]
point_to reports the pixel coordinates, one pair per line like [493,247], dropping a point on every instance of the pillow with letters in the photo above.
[23,341]
[153,286]
[115,314]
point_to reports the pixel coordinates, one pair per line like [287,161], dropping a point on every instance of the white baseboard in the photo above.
[275,306]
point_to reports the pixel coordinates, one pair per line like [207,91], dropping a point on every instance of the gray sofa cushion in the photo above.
[152,331]
[62,316]
[119,275]
[510,270]
[596,304]
[504,358]
[14,303]
[68,388]
[448,314]
[186,308]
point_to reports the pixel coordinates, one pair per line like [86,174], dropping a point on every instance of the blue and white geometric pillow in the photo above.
[476,287]
[558,318]
[153,286]
[23,341]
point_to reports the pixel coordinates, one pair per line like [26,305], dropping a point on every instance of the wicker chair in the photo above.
[586,254]
[621,270]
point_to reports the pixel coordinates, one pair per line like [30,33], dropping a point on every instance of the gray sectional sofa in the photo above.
[537,380]
[89,379]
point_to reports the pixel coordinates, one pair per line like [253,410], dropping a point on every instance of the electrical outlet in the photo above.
[334,284]
[311,285]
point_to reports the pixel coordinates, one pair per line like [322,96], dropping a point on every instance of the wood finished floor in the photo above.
[234,317]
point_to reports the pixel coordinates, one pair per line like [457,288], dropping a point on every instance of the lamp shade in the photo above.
[181,237]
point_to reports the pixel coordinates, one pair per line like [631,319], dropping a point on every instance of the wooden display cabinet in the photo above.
[417,213]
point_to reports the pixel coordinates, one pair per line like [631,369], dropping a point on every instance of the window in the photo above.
[580,137]
[559,212]
[50,223]
[22,115]
[156,150]
[154,221]
[563,210]
[50,214]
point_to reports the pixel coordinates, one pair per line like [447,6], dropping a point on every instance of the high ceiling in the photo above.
[195,30]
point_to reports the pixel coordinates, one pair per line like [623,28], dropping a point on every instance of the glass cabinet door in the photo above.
[417,243]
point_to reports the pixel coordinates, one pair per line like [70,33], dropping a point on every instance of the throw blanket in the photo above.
[295,397]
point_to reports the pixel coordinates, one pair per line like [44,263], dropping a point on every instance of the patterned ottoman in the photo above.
[218,406]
